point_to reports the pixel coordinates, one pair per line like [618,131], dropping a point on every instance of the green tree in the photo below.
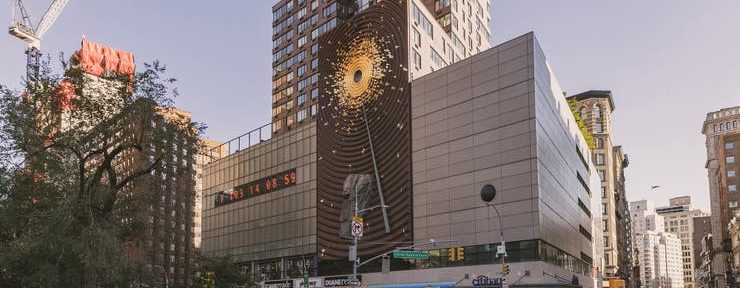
[581,125]
[220,272]
[66,205]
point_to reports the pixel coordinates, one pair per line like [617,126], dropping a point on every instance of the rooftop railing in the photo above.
[242,142]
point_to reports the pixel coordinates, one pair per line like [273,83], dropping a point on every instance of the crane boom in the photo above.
[24,30]
[50,16]
[21,27]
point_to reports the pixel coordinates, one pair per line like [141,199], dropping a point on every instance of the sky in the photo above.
[667,62]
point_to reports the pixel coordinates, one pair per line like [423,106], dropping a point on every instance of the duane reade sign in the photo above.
[340,281]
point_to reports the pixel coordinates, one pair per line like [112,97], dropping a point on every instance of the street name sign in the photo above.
[411,254]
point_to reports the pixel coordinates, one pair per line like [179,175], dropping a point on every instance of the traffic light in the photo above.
[451,254]
[460,253]
[506,269]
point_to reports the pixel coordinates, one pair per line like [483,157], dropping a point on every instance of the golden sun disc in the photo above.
[357,75]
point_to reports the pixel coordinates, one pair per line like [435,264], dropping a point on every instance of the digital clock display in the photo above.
[258,187]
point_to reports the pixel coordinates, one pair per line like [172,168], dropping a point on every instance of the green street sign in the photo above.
[411,254]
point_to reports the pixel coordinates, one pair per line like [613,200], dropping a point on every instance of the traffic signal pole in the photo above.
[358,264]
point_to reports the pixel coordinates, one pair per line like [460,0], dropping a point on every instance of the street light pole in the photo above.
[487,194]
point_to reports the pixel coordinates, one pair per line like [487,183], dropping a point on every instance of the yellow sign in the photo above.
[357,219]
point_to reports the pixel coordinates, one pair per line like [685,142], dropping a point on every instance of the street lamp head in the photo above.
[487,193]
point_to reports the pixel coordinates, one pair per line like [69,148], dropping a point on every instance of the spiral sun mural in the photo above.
[359,73]
[365,95]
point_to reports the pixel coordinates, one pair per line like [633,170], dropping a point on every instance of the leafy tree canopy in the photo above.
[66,204]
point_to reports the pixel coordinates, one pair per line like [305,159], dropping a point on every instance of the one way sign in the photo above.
[357,227]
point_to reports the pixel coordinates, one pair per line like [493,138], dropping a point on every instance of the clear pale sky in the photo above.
[668,63]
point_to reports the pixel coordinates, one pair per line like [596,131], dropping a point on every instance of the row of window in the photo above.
[584,208]
[290,20]
[596,112]
[283,80]
[308,23]
[437,59]
[725,126]
[300,56]
[280,12]
[281,53]
[298,117]
[287,106]
[422,20]
[280,40]
[308,81]
[441,4]
[583,182]
[459,44]
[282,94]
[328,25]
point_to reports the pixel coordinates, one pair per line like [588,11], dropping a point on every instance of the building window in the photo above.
[314,64]
[730,173]
[603,192]
[597,112]
[314,5]
[417,60]
[729,145]
[606,225]
[417,38]
[314,93]
[314,110]
[328,10]
[301,70]
[277,125]
[600,159]
[437,59]
[730,159]
[732,188]
[599,127]
[602,175]
[599,143]
[606,242]
[301,41]
[733,204]
[314,49]
[301,99]
[301,115]
[603,208]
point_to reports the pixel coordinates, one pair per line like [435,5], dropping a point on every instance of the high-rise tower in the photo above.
[440,32]
[722,132]
[679,220]
[596,108]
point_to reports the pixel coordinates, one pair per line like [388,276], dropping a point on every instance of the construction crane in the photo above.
[22,28]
